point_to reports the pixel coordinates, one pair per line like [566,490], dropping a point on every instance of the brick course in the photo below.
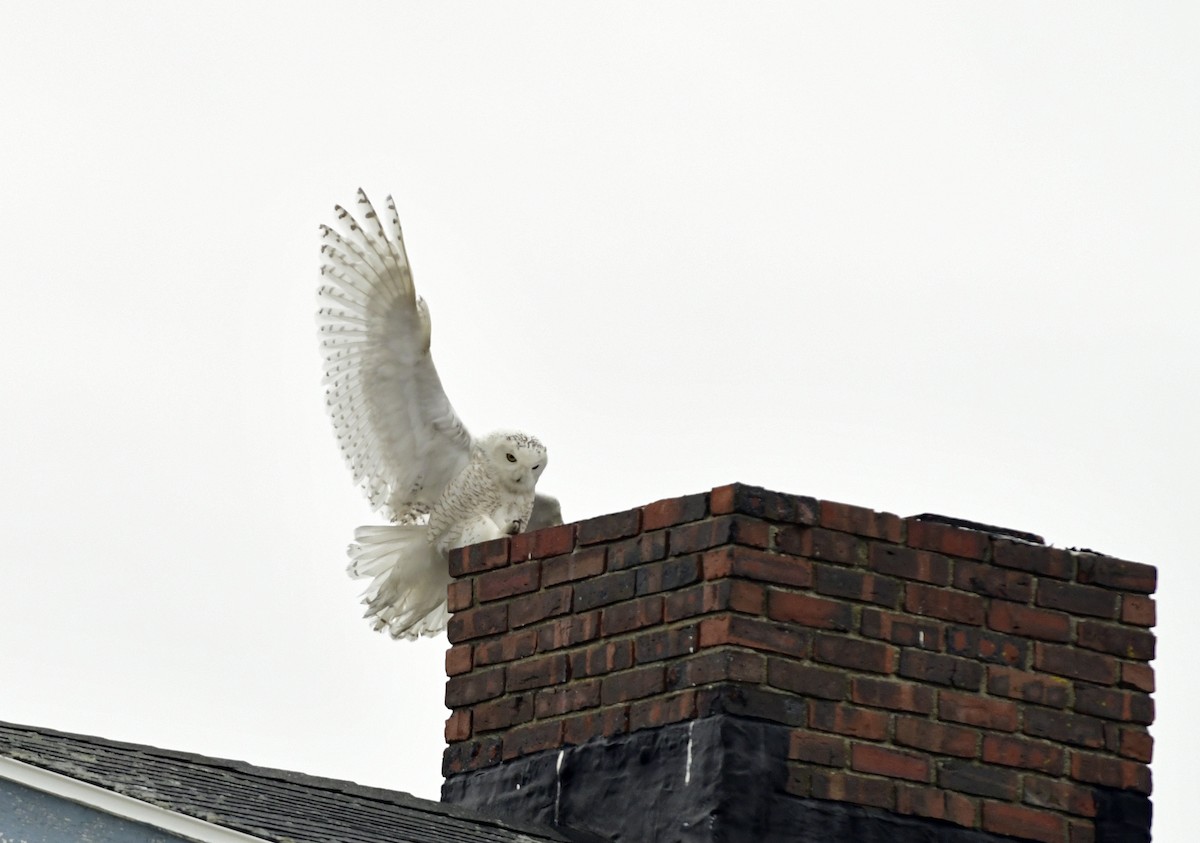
[933,670]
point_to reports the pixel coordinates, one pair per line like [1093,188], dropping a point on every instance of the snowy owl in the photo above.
[408,450]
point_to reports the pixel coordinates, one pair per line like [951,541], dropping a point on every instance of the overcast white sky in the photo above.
[920,257]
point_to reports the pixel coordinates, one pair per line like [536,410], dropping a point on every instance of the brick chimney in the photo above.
[744,665]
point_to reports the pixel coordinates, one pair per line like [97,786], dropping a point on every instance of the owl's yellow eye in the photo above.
[511,458]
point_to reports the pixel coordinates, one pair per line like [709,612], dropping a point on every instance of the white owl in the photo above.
[405,445]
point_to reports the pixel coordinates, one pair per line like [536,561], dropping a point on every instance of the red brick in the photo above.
[941,603]
[979,779]
[715,532]
[807,680]
[755,633]
[1075,663]
[1035,558]
[757,565]
[1139,677]
[659,711]
[909,563]
[1029,687]
[905,630]
[938,738]
[668,575]
[806,610]
[862,522]
[672,511]
[632,684]
[702,599]
[824,545]
[537,672]
[991,581]
[1110,772]
[1026,823]
[630,553]
[550,541]
[474,687]
[538,606]
[1137,744]
[507,582]
[573,696]
[871,656]
[605,723]
[1121,641]
[632,614]
[763,503]
[458,659]
[506,648]
[1029,622]
[974,643]
[603,657]
[458,595]
[894,763]
[976,710]
[1078,599]
[848,720]
[941,670]
[603,590]
[573,566]
[1117,573]
[1126,706]
[608,528]
[477,622]
[568,631]
[660,644]
[531,738]
[747,597]
[719,665]
[893,694]
[749,701]
[1028,755]
[848,787]
[952,541]
[857,585]
[1081,831]
[503,712]
[1138,609]
[479,557]
[816,748]
[1059,795]
[471,755]
[1064,727]
[458,726]
[936,804]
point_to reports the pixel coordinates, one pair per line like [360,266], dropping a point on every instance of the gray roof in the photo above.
[272,804]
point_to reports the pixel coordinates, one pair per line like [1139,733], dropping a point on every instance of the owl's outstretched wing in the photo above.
[397,430]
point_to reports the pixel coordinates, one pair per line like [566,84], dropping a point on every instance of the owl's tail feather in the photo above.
[407,594]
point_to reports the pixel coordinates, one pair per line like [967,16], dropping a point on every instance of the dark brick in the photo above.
[1060,795]
[763,503]
[459,595]
[817,748]
[664,644]
[573,696]
[979,779]
[1117,573]
[606,722]
[507,582]
[1029,622]
[632,614]
[475,558]
[748,701]
[856,585]
[871,656]
[952,541]
[607,528]
[539,606]
[648,547]
[909,563]
[1027,823]
[807,680]
[602,657]
[823,545]
[659,711]
[1034,558]
[601,591]
[726,529]
[1126,706]
[991,581]
[573,566]
[1026,754]
[862,522]
[458,659]
[893,694]
[905,630]
[721,665]
[1075,663]
[894,763]
[474,687]
[1139,677]
[506,648]
[1077,599]
[477,622]
[976,710]
[937,804]
[672,511]
[1064,727]
[755,633]
[1136,744]
[806,610]
[1110,772]
[848,720]
[668,575]
[848,787]
[471,755]
[550,541]
[1121,641]
[537,672]
[532,737]
[974,643]
[503,712]
[568,631]
[938,738]
[1138,610]
[756,565]
[702,599]
[632,684]
[747,597]
[1029,687]
[941,670]
[956,606]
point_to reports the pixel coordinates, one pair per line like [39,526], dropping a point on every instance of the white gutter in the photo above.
[119,805]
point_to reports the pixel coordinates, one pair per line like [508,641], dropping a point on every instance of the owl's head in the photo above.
[517,458]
